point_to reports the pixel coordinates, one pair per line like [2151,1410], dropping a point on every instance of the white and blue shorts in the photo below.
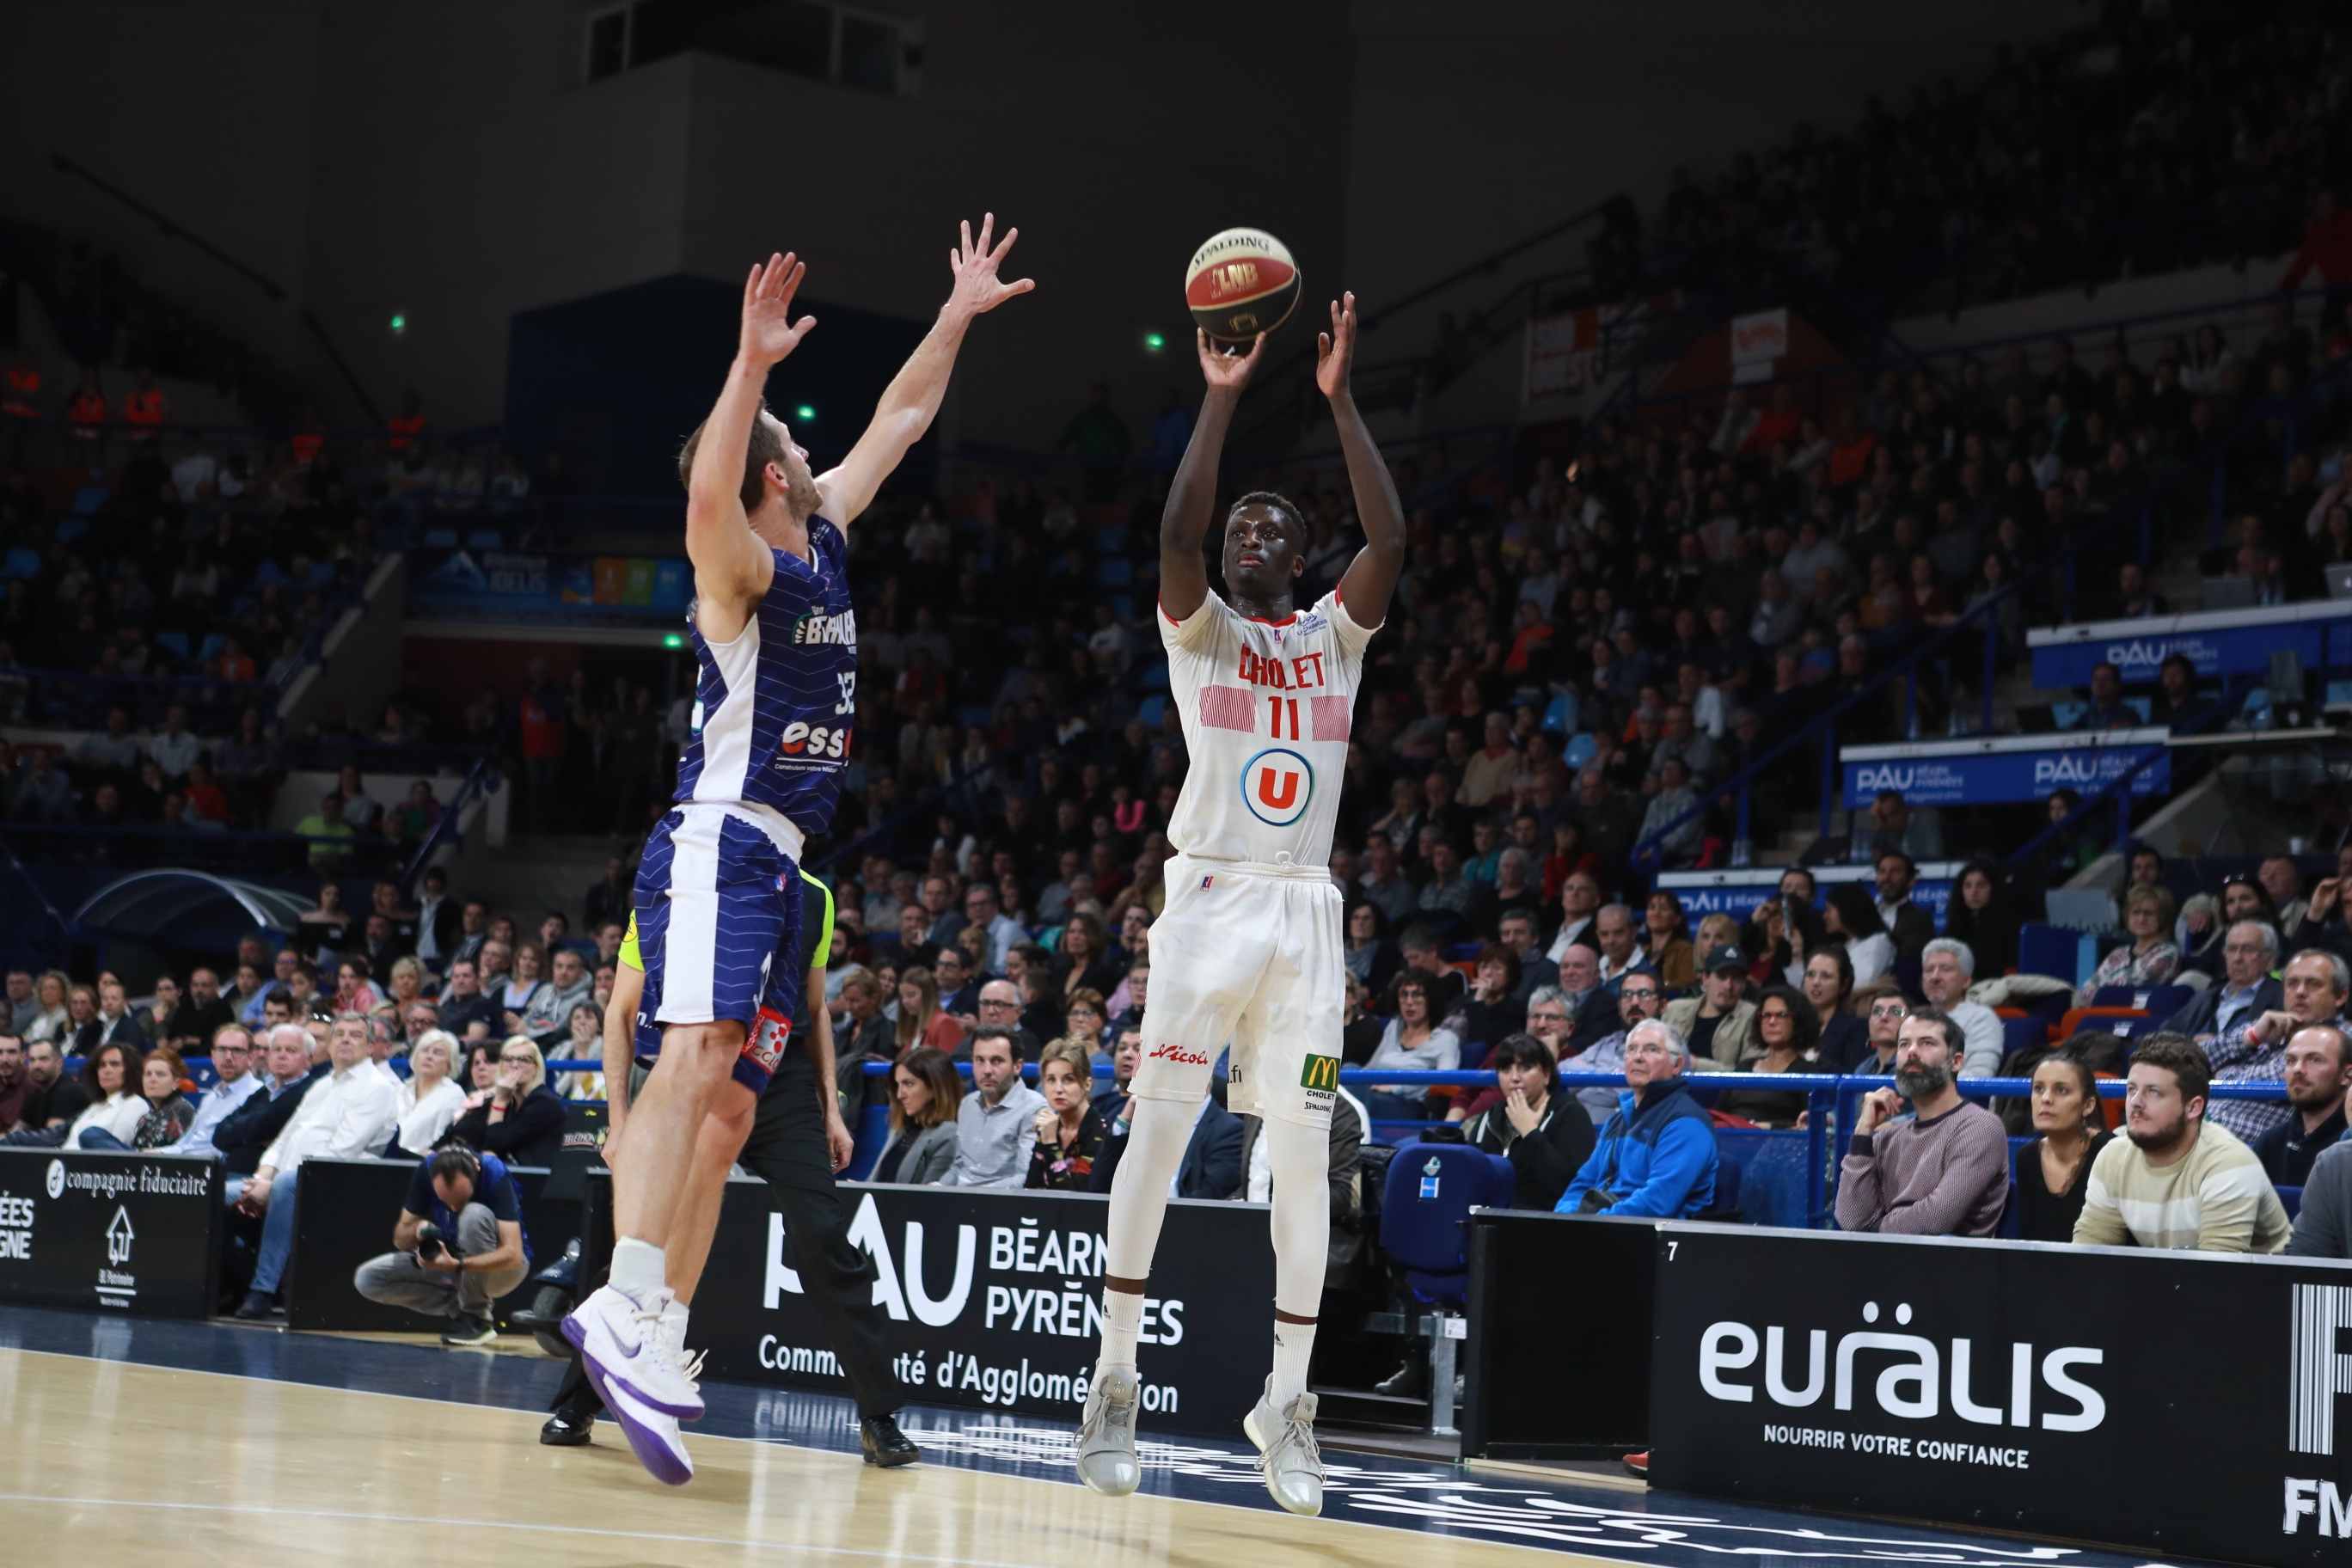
[719,914]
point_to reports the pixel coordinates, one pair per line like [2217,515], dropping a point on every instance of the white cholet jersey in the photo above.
[1266,707]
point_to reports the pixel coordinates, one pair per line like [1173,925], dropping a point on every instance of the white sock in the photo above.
[638,1269]
[1122,1322]
[1294,1345]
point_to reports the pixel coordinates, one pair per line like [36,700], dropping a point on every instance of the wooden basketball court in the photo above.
[128,1443]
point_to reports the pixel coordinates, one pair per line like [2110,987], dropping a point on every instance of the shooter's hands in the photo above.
[1227,369]
[1335,351]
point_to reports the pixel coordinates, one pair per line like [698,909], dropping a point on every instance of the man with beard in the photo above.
[2317,985]
[2176,1179]
[1942,1170]
[2318,1066]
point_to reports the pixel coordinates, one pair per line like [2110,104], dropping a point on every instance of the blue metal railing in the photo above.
[483,781]
[1829,1101]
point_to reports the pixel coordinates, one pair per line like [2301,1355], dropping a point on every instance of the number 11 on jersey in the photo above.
[1277,708]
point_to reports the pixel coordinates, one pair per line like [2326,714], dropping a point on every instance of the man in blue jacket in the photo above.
[1656,1157]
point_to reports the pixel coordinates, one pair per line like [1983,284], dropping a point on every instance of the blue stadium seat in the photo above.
[974,715]
[1725,1203]
[1474,1055]
[69,529]
[1431,1190]
[1154,677]
[486,538]
[2023,1034]
[1110,539]
[1149,709]
[176,642]
[24,562]
[441,539]
[270,573]
[2293,1199]
[1122,606]
[211,647]
[1113,572]
[1555,719]
[2157,1001]
[2050,949]
[1582,749]
[323,574]
[87,499]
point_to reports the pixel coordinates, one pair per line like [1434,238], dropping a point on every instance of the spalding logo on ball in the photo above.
[1241,283]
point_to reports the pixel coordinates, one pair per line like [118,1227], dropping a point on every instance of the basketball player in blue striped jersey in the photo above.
[718,896]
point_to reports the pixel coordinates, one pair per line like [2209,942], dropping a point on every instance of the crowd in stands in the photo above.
[2154,137]
[1579,658]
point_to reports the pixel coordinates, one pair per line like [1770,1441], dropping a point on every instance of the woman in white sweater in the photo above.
[111,1076]
[430,1099]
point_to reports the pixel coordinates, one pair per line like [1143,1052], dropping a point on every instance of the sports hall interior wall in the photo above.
[450,163]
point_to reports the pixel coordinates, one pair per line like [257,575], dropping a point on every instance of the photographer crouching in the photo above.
[457,1248]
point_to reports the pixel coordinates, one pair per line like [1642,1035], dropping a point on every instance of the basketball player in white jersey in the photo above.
[1248,949]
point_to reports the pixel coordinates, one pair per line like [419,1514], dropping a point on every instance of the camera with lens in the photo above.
[430,1244]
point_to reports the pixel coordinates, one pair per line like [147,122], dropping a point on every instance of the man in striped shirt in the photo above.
[2317,984]
[2177,1178]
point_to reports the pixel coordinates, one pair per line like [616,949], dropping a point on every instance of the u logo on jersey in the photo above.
[1276,785]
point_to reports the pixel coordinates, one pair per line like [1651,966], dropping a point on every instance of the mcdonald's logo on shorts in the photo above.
[1320,1072]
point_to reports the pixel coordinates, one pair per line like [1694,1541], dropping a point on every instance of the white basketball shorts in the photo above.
[1249,954]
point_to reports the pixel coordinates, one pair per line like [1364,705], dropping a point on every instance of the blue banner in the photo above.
[516,583]
[2218,642]
[2012,768]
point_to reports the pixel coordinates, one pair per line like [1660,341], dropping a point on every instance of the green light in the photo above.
[399,322]
[673,639]
[805,414]
[1154,341]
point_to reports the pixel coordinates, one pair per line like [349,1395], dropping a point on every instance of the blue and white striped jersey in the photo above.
[774,710]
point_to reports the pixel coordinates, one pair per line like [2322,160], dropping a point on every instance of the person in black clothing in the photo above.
[798,1140]
[2053,1171]
[1545,1134]
[521,1119]
[1359,1037]
[1842,1040]
[1492,1008]
[1786,1036]
[1979,914]
[246,1133]
[2317,1070]
[54,1095]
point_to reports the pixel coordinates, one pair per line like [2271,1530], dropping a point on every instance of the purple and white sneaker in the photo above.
[622,1348]
[653,1438]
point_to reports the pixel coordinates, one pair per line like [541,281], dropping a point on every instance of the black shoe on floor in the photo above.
[1410,1380]
[256,1306]
[567,1430]
[885,1445]
[469,1330]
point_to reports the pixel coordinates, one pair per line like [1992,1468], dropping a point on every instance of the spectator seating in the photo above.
[1430,1190]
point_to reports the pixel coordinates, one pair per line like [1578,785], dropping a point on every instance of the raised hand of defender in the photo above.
[1335,351]
[978,290]
[1227,368]
[768,331]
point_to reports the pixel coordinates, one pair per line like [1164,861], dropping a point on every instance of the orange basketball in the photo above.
[1241,283]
